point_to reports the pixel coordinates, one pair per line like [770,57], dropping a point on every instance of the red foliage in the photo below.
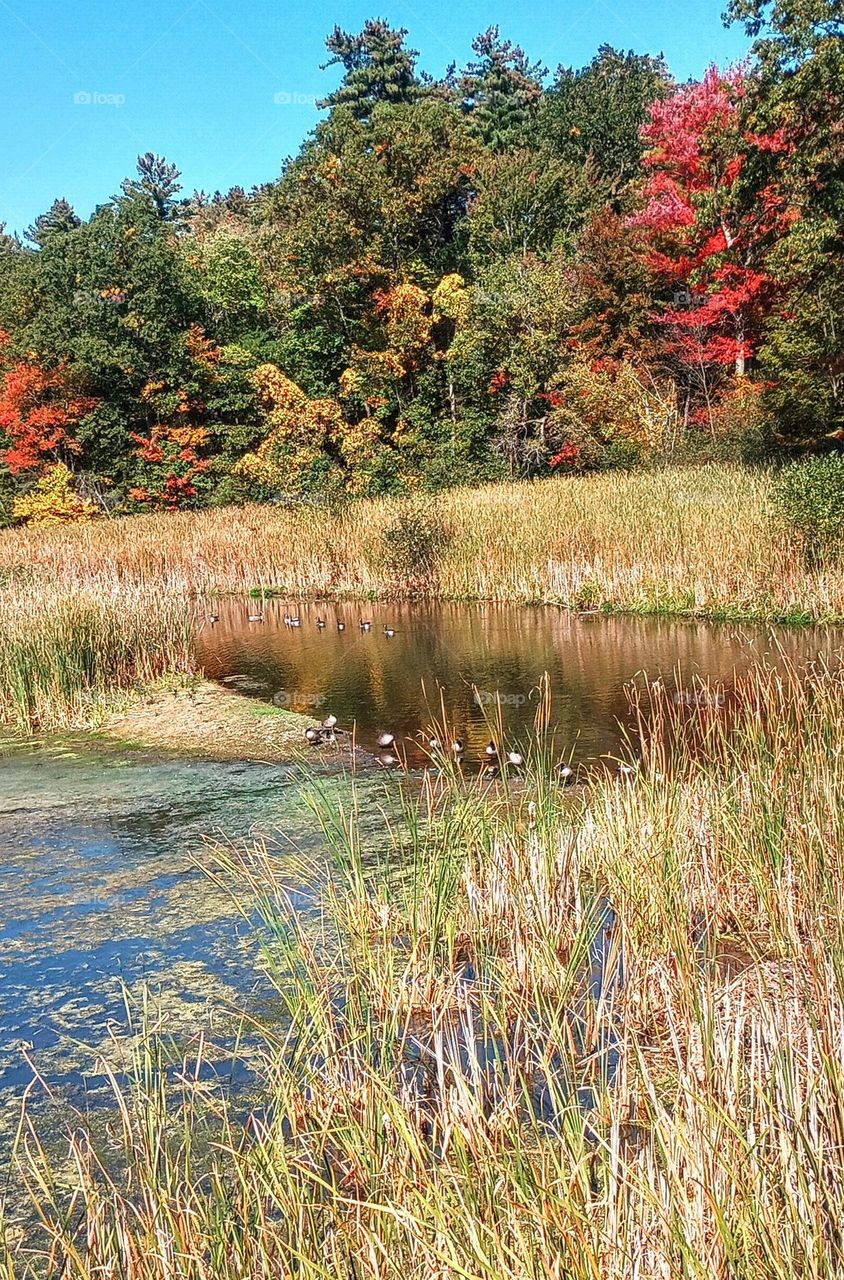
[38,412]
[701,242]
[173,464]
[569,456]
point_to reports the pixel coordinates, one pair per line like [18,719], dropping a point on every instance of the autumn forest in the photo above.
[503,273]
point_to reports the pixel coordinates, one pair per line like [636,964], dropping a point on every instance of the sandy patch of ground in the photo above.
[200,718]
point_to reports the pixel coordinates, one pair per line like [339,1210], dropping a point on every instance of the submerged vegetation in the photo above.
[531,1032]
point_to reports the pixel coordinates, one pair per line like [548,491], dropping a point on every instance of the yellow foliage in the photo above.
[296,423]
[202,348]
[284,403]
[54,500]
[617,404]
[407,309]
[372,375]
[189,437]
[357,441]
[451,298]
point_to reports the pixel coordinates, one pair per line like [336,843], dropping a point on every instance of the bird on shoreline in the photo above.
[565,774]
[313,735]
[387,760]
[457,747]
[388,631]
[341,626]
[365,626]
[491,750]
[515,758]
[386,739]
[320,623]
[256,617]
[330,722]
[213,617]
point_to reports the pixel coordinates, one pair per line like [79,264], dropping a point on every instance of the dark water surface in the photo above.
[475,657]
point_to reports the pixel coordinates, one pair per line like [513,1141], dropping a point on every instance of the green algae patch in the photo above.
[197,717]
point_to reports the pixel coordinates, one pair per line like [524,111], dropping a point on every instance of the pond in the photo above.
[101,877]
[104,894]
[412,660]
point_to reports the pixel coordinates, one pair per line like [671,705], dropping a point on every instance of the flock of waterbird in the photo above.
[294,620]
[329,732]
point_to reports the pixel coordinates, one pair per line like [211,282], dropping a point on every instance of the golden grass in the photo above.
[694,540]
[66,655]
[450,1099]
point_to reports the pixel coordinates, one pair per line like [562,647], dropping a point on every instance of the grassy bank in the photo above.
[456,1096]
[87,609]
[697,540]
[69,657]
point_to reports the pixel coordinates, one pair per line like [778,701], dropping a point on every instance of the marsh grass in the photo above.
[67,656]
[110,603]
[529,1033]
[697,540]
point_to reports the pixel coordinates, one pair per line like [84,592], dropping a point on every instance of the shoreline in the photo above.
[797,618]
[198,718]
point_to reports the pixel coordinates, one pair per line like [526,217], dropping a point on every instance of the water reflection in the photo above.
[471,655]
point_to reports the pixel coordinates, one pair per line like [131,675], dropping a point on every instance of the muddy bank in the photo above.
[202,719]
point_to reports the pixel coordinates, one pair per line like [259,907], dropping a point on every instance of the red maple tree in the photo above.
[703,240]
[39,411]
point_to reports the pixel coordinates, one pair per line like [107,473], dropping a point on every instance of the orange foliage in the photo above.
[38,412]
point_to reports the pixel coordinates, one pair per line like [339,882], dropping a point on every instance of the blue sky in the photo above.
[225,88]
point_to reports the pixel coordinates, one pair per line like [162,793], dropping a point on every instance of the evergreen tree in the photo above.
[596,114]
[500,91]
[377,67]
[156,185]
[60,217]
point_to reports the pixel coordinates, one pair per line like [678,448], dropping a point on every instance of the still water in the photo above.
[102,888]
[103,892]
[471,659]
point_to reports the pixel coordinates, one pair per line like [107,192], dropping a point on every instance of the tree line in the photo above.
[501,272]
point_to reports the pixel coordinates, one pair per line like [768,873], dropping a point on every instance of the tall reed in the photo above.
[65,655]
[530,1033]
[698,541]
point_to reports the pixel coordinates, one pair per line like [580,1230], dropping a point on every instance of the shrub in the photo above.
[810,497]
[54,500]
[413,545]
